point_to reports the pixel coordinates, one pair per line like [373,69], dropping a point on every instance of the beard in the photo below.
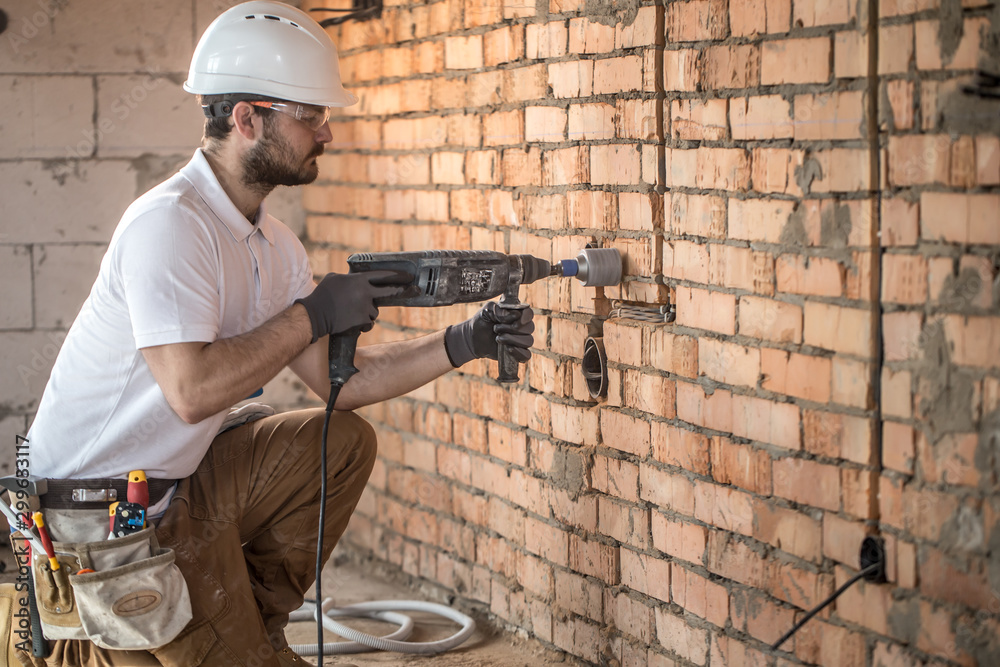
[272,162]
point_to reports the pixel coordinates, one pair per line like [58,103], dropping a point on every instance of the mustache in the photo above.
[319,150]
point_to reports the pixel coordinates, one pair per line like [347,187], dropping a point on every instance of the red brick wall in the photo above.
[809,185]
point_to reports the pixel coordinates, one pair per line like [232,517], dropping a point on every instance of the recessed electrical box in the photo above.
[595,367]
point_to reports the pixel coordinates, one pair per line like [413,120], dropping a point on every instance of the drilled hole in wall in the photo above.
[3,21]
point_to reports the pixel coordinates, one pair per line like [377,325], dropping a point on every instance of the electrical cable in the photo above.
[334,392]
[874,567]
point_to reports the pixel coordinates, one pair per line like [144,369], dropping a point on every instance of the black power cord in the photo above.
[334,392]
[871,569]
[368,9]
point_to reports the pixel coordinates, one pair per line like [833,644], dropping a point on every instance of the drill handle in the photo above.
[342,348]
[508,365]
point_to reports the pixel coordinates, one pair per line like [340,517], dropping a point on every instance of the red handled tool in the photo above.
[46,540]
[138,489]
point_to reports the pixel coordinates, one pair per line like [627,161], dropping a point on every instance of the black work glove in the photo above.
[343,301]
[477,337]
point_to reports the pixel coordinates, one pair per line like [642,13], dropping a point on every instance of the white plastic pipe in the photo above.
[384,610]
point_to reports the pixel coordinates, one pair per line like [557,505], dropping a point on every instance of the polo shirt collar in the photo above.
[199,172]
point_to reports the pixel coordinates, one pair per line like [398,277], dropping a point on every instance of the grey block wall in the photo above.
[93,116]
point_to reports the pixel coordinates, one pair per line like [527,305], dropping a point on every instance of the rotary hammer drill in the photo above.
[446,277]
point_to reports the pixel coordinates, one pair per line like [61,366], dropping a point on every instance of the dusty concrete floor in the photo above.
[350,581]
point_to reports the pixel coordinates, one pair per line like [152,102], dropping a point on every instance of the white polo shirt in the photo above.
[184,265]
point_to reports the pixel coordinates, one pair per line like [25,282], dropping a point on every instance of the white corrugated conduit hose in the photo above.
[382,610]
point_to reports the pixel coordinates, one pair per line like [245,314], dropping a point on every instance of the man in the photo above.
[201,299]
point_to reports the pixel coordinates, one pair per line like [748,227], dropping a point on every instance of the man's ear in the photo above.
[247,123]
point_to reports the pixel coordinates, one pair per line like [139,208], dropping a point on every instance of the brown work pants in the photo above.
[244,529]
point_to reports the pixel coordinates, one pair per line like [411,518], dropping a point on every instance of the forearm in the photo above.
[200,380]
[388,370]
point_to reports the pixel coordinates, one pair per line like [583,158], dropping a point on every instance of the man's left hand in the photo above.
[478,336]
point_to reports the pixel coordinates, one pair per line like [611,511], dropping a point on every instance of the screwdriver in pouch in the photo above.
[138,490]
[46,540]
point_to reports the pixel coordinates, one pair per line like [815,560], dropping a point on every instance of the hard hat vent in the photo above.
[272,17]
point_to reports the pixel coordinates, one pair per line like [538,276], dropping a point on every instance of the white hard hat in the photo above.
[269,49]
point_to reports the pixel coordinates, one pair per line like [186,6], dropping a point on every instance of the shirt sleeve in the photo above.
[167,268]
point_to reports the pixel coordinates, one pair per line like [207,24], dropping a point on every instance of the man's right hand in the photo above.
[344,301]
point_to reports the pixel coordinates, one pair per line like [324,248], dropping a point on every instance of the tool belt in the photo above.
[121,593]
[124,593]
[92,494]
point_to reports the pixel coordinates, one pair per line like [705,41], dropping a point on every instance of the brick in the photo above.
[759,17]
[586,36]
[681,71]
[463,52]
[525,83]
[680,447]
[544,124]
[904,279]
[900,94]
[128,117]
[850,54]
[646,575]
[729,363]
[618,75]
[701,309]
[895,48]
[614,165]
[723,168]
[987,160]
[685,541]
[574,425]
[592,209]
[520,167]
[698,595]
[792,531]
[831,116]
[616,477]
[641,32]
[591,122]
[842,170]
[811,14]
[666,489]
[741,268]
[636,119]
[760,117]
[548,40]
[766,421]
[448,168]
[625,433]
[639,211]
[776,169]
[899,222]
[795,374]
[771,320]
[733,66]
[677,636]
[697,215]
[683,260]
[816,276]
[929,51]
[566,166]
[758,219]
[804,60]
[546,541]
[744,466]
[696,21]
[481,168]
[594,559]
[901,332]
[673,353]
[96,191]
[698,119]
[624,522]
[713,411]
[807,482]
[836,328]
[571,79]
[919,159]
[629,616]
[959,218]
[578,595]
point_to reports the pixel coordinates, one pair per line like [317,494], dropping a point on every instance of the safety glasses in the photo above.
[313,117]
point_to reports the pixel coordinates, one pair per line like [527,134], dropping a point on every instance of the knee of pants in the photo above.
[350,438]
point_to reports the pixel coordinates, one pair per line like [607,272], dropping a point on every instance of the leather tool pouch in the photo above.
[135,599]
